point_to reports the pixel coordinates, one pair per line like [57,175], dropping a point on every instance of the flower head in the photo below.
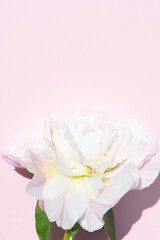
[83,165]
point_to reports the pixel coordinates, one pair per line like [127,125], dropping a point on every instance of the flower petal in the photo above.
[149,171]
[66,199]
[75,202]
[41,205]
[12,161]
[90,221]
[116,187]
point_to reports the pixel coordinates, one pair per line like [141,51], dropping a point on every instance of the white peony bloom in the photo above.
[85,164]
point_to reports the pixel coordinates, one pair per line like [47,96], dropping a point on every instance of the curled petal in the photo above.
[12,161]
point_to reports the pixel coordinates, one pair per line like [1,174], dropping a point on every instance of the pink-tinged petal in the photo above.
[149,171]
[41,205]
[12,161]
[115,188]
[24,169]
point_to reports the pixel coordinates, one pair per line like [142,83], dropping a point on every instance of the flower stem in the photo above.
[51,230]
[67,235]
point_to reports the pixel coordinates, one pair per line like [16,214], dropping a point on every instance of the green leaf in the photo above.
[75,230]
[109,225]
[44,227]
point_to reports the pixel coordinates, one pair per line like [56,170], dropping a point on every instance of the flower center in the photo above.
[86,171]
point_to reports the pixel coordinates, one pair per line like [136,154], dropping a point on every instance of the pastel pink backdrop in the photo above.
[57,56]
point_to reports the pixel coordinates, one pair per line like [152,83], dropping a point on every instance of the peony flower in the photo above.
[83,165]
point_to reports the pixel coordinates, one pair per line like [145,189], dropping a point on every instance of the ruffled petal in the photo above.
[92,219]
[115,188]
[65,199]
[149,171]
[76,201]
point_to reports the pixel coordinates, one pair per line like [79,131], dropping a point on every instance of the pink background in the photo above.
[56,56]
